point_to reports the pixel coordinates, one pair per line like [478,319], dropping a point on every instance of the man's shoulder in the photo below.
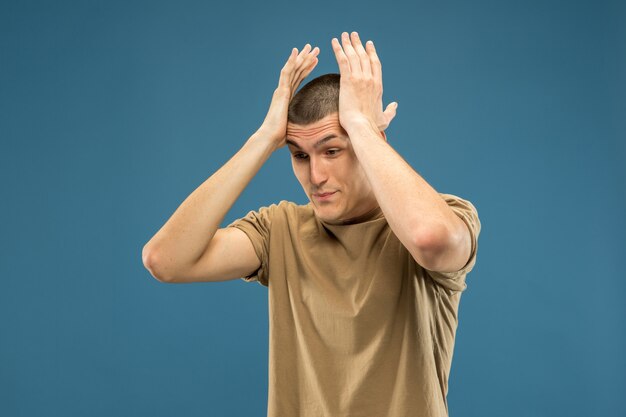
[284,205]
[291,205]
[287,210]
[283,215]
[291,210]
[285,218]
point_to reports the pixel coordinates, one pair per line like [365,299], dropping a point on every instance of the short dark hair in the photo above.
[315,100]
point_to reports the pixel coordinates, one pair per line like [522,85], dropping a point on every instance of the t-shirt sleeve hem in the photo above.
[455,280]
[260,274]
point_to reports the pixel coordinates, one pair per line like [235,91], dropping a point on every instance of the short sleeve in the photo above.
[455,281]
[256,225]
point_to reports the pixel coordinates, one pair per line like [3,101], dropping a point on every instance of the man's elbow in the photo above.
[444,251]
[428,247]
[150,261]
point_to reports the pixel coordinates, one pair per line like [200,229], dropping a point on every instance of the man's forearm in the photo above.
[415,211]
[184,237]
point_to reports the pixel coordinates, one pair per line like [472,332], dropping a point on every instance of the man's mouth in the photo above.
[323,196]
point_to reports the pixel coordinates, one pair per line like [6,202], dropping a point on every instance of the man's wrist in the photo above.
[362,127]
[263,140]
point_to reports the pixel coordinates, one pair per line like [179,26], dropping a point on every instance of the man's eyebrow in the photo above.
[317,144]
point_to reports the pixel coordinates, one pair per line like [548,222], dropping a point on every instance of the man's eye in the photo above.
[332,152]
[299,155]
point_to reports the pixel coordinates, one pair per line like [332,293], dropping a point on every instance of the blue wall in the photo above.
[111,113]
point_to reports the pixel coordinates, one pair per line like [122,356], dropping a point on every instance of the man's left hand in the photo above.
[361,85]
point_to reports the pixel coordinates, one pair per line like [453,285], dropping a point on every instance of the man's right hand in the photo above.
[296,69]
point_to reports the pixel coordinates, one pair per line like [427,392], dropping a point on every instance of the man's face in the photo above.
[329,171]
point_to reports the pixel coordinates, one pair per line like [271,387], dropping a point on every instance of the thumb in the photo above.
[390,111]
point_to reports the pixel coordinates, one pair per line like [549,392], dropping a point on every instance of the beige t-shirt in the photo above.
[357,327]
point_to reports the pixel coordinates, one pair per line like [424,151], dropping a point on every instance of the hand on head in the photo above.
[361,85]
[297,68]
[360,93]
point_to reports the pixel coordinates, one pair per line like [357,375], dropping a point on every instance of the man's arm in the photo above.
[434,235]
[189,247]
[182,241]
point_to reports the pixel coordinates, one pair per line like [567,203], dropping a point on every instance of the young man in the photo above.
[364,281]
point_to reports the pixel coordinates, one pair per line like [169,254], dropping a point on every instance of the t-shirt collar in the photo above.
[370,215]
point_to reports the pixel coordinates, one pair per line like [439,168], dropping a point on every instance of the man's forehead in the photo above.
[316,130]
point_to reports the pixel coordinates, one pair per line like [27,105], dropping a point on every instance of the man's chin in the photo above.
[325,213]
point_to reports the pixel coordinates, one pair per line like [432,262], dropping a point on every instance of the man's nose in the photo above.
[317,172]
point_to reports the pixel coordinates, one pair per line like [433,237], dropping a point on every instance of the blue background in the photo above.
[111,113]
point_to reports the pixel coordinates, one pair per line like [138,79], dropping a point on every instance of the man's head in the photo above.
[322,156]
[315,100]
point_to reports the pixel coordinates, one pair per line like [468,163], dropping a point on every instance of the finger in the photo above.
[340,56]
[315,51]
[284,79]
[304,57]
[377,71]
[305,61]
[301,78]
[353,58]
[292,57]
[310,56]
[363,56]
[294,63]
[305,50]
[300,59]
[303,73]
[390,112]
[306,66]
[306,71]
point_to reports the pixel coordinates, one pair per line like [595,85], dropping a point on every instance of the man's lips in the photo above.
[323,195]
